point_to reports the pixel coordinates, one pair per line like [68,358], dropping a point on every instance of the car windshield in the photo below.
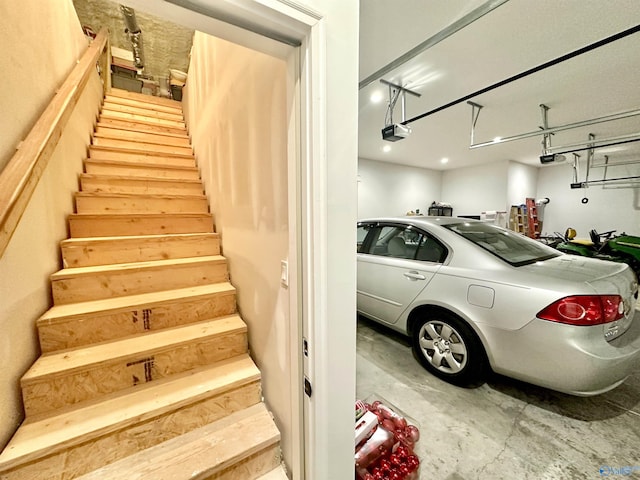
[512,247]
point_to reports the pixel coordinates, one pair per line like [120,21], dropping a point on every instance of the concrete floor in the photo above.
[505,428]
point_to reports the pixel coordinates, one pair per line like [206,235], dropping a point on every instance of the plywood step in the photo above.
[175,109]
[65,378]
[92,203]
[277,473]
[146,119]
[164,159]
[142,98]
[243,446]
[131,146]
[83,284]
[135,136]
[112,225]
[142,170]
[85,252]
[142,127]
[85,323]
[137,185]
[65,445]
[175,115]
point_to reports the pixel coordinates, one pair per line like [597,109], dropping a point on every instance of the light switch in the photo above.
[284,273]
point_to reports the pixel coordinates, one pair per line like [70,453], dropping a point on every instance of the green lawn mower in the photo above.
[606,246]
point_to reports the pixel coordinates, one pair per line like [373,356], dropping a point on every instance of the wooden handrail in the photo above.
[20,176]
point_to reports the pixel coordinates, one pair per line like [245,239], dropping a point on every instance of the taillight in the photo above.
[585,310]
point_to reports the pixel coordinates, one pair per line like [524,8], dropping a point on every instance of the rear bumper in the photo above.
[569,359]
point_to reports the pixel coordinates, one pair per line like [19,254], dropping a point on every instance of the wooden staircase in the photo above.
[144,371]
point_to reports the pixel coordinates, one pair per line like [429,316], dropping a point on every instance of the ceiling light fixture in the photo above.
[444,160]
[386,148]
[376,97]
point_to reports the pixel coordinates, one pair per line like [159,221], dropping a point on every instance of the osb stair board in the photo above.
[141,119]
[122,124]
[82,439]
[141,97]
[107,225]
[84,252]
[105,153]
[136,136]
[91,183]
[175,115]
[135,146]
[68,377]
[97,202]
[278,473]
[82,284]
[77,324]
[209,452]
[176,109]
[140,169]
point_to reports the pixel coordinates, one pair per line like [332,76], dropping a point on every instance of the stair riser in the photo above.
[132,146]
[101,226]
[141,157]
[51,392]
[90,184]
[148,120]
[106,132]
[147,112]
[116,444]
[138,249]
[141,127]
[89,287]
[175,110]
[95,327]
[99,168]
[135,204]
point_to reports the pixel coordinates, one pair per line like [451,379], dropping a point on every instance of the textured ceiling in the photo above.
[165,44]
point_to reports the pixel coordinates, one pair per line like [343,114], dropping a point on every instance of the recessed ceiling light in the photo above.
[444,160]
[386,148]
[376,97]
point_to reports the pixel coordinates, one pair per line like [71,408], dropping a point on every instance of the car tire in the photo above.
[449,349]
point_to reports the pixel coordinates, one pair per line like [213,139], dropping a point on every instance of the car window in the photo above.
[511,247]
[430,250]
[363,230]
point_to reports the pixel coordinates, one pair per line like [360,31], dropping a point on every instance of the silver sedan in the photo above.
[475,297]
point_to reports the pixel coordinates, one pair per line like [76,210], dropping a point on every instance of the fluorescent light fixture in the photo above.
[386,148]
[444,160]
[376,97]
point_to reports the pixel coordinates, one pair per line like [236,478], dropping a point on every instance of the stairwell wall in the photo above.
[235,108]
[41,43]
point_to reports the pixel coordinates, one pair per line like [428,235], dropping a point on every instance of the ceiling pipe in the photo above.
[135,35]
[569,126]
[563,58]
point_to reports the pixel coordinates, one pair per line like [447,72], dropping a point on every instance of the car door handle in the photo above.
[414,275]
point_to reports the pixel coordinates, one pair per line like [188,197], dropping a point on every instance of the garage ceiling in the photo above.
[507,38]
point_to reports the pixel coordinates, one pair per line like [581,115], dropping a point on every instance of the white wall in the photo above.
[522,182]
[235,106]
[386,189]
[41,42]
[473,190]
[608,208]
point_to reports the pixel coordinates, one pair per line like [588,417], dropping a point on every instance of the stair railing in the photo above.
[20,176]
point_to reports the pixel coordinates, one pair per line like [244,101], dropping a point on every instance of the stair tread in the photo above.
[188,456]
[103,176]
[42,435]
[156,166]
[90,240]
[139,195]
[130,302]
[81,358]
[146,148]
[275,474]
[142,110]
[137,103]
[146,153]
[141,97]
[126,126]
[134,266]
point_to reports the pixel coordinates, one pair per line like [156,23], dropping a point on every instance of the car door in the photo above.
[395,263]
